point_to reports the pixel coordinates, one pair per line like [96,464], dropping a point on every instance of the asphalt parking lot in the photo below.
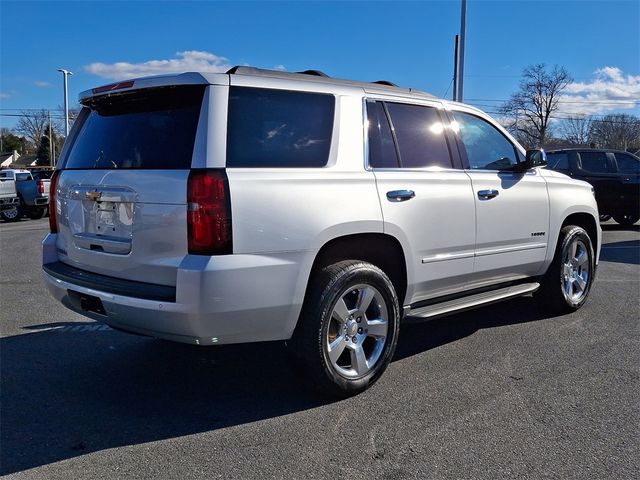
[500,392]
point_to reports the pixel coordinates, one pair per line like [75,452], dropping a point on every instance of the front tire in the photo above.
[567,283]
[348,327]
[626,220]
[12,214]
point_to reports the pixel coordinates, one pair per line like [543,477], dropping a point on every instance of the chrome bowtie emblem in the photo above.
[93,195]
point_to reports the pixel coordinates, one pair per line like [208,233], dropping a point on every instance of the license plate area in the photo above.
[103,218]
[87,303]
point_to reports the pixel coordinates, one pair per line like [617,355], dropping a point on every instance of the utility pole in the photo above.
[455,68]
[51,160]
[65,74]
[463,25]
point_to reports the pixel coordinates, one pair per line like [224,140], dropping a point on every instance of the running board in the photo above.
[472,301]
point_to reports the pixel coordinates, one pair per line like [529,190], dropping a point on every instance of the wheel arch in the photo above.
[379,249]
[586,221]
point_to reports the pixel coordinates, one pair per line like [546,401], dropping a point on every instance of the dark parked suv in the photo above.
[615,176]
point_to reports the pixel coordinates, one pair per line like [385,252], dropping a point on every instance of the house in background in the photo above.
[15,160]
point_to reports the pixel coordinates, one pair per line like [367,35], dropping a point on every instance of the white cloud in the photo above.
[280,67]
[41,84]
[189,61]
[609,90]
[4,96]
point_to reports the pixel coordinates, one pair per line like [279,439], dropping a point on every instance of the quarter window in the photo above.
[420,135]
[382,150]
[485,146]
[595,162]
[278,128]
[627,163]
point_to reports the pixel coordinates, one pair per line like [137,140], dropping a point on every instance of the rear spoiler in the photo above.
[189,78]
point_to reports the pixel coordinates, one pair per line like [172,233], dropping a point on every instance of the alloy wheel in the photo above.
[357,331]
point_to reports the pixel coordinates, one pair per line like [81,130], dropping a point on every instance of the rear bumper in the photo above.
[218,300]
[9,202]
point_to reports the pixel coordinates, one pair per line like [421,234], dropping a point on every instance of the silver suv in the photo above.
[257,205]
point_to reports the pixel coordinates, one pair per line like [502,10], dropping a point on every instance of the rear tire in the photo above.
[348,328]
[36,213]
[626,220]
[567,283]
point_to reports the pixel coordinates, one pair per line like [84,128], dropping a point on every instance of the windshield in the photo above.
[152,128]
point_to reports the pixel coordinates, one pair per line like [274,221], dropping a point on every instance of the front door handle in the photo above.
[487,194]
[400,195]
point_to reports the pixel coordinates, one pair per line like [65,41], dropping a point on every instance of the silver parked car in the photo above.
[258,205]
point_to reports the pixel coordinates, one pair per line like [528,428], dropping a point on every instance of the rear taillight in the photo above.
[53,186]
[208,213]
[40,184]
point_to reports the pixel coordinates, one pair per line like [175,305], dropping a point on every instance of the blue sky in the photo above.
[408,43]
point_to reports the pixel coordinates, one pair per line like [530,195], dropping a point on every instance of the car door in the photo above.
[512,209]
[426,199]
[596,168]
[628,167]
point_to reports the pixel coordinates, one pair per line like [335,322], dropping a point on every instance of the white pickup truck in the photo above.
[213,208]
[32,189]
[9,201]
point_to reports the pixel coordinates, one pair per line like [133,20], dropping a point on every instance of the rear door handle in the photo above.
[400,195]
[487,194]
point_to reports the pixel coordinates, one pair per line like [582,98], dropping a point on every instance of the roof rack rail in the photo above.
[385,82]
[320,77]
[240,69]
[317,73]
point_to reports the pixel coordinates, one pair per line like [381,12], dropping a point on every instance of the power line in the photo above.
[560,101]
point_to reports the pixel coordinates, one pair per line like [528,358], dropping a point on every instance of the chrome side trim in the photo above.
[472,301]
[517,248]
[447,256]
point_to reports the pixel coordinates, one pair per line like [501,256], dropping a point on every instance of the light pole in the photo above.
[463,27]
[65,74]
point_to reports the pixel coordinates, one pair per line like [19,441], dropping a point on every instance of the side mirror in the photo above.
[534,158]
[537,157]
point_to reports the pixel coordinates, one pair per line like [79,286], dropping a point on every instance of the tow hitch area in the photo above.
[88,303]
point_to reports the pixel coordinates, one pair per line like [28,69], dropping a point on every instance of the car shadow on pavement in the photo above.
[621,252]
[614,227]
[77,388]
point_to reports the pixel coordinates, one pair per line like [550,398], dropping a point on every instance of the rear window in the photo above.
[627,163]
[278,128]
[149,129]
[420,135]
[595,162]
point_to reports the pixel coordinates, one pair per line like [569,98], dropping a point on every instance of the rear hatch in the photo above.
[121,196]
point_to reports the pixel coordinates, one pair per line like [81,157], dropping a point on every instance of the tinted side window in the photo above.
[486,147]
[558,161]
[278,128]
[420,135]
[595,162]
[627,163]
[382,151]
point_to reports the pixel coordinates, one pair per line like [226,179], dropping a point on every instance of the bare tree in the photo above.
[531,108]
[33,125]
[616,130]
[59,123]
[576,129]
